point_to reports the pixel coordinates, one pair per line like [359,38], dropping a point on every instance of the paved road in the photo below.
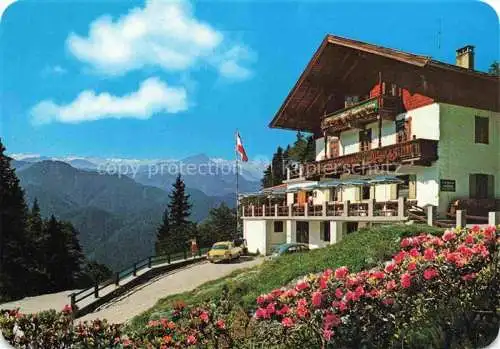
[142,297]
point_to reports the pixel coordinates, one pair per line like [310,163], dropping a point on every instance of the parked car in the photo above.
[288,248]
[242,243]
[223,251]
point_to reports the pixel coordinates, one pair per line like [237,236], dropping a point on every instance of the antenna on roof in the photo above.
[440,20]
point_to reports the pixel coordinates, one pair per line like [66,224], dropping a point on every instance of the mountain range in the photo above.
[117,213]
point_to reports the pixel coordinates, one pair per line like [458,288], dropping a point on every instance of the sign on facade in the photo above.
[448,185]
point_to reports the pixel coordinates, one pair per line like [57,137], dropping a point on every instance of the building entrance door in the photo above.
[303,232]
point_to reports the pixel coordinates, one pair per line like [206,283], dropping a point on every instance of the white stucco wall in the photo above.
[315,230]
[349,142]
[425,121]
[291,231]
[320,148]
[273,237]
[460,156]
[254,232]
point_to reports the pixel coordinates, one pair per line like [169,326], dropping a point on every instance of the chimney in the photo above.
[465,57]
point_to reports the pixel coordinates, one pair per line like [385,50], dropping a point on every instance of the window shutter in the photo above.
[412,188]
[472,186]
[491,186]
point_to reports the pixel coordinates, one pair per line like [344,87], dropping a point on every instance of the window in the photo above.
[481,128]
[326,231]
[334,147]
[403,130]
[278,226]
[365,192]
[481,186]
[335,194]
[407,189]
[365,139]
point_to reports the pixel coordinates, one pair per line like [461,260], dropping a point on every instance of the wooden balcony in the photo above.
[360,114]
[368,210]
[420,152]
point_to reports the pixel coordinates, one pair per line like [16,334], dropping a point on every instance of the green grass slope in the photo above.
[358,250]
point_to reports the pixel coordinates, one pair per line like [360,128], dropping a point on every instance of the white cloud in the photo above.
[3,6]
[153,96]
[163,34]
[54,70]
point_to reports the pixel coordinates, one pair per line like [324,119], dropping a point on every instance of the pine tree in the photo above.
[220,225]
[16,266]
[266,180]
[37,235]
[180,208]
[163,235]
[278,172]
[63,255]
[179,228]
[494,69]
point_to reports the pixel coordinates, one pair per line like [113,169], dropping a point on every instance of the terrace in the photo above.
[365,210]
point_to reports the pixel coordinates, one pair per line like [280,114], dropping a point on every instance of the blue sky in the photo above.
[172,79]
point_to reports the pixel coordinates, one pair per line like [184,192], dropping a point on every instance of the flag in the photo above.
[240,149]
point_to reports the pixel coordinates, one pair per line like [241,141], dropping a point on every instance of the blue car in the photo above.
[288,248]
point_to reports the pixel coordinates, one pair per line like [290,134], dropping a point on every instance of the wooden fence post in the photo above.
[168,258]
[149,262]
[345,212]
[117,278]
[401,207]
[135,270]
[185,254]
[96,290]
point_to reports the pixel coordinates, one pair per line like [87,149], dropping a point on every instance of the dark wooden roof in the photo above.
[343,67]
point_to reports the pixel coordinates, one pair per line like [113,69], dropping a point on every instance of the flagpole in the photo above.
[237,183]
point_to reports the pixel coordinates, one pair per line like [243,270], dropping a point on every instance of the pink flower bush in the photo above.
[425,264]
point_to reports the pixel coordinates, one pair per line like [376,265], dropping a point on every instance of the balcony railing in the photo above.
[387,107]
[417,152]
[368,209]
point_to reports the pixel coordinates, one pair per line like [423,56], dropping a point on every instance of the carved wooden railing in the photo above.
[418,151]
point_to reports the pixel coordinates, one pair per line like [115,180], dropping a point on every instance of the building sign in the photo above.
[447,185]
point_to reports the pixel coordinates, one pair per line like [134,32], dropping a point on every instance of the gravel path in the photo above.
[142,297]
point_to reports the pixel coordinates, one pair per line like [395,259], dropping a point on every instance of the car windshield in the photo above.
[220,247]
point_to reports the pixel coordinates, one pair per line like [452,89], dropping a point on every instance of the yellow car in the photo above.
[223,251]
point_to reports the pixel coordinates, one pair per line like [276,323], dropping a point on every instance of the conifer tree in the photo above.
[16,266]
[180,229]
[63,255]
[163,235]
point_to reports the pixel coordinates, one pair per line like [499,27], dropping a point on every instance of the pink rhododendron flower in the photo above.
[475,228]
[287,322]
[67,309]
[284,310]
[414,252]
[302,302]
[277,292]
[405,242]
[374,293]
[322,283]
[331,320]
[302,312]
[327,273]
[377,275]
[391,285]
[430,273]
[261,313]
[359,291]
[338,293]
[221,325]
[204,316]
[261,299]
[327,334]
[316,299]
[429,254]
[341,273]
[405,280]
[389,268]
[469,277]
[270,309]
[191,340]
[301,285]
[400,256]
[412,266]
[490,232]
[449,235]
[469,239]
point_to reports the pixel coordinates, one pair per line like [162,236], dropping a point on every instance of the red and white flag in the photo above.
[240,149]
